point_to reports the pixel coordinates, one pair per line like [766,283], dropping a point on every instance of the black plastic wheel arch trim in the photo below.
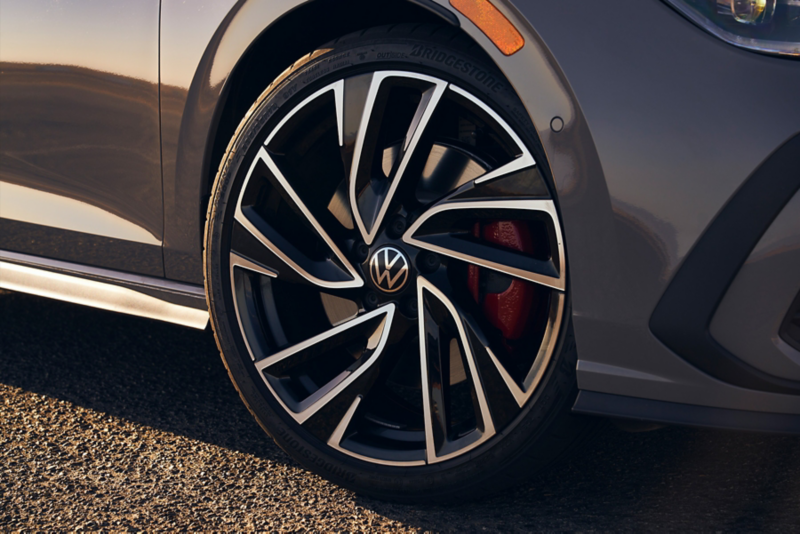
[618,406]
[683,316]
[790,328]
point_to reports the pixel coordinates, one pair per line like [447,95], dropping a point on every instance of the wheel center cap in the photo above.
[389,268]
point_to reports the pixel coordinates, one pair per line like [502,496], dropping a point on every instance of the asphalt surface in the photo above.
[119,423]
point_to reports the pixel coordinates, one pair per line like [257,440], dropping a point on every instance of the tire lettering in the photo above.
[474,71]
[391,55]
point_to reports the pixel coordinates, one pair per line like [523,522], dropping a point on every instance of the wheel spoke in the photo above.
[368,333]
[437,364]
[246,246]
[338,437]
[370,197]
[437,230]
[334,271]
[522,392]
[237,260]
[522,161]
[246,264]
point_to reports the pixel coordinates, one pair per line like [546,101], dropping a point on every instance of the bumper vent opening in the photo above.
[790,330]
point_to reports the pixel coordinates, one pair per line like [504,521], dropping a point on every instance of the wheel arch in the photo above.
[283,42]
[225,83]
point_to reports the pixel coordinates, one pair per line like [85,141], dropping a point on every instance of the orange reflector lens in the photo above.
[490,21]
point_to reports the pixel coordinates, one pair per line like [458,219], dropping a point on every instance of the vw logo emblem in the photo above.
[389,269]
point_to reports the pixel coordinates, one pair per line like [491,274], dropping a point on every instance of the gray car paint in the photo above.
[191,37]
[79,119]
[662,124]
[663,101]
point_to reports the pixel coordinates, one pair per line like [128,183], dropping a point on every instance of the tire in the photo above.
[335,384]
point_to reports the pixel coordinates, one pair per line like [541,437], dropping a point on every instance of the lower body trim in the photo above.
[120,292]
[593,403]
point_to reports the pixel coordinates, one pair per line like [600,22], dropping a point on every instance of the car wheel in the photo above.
[386,270]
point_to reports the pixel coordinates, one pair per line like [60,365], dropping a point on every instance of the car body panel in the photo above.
[685,148]
[191,35]
[750,316]
[79,123]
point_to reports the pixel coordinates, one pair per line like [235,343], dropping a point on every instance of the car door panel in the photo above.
[80,162]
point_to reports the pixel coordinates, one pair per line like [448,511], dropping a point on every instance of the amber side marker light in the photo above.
[494,24]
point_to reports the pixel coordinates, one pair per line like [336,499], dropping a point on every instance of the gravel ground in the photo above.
[118,423]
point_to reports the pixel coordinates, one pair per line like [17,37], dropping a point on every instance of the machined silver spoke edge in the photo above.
[427,106]
[541,205]
[336,386]
[241,217]
[522,161]
[486,416]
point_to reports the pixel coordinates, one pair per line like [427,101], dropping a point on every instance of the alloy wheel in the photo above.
[397,268]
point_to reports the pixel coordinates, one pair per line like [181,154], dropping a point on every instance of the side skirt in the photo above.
[143,296]
[630,408]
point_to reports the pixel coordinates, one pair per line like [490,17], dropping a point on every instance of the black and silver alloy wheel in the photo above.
[387,276]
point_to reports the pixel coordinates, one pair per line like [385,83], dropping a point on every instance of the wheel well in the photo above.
[297,33]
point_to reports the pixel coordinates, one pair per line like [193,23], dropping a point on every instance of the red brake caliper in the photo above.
[510,309]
